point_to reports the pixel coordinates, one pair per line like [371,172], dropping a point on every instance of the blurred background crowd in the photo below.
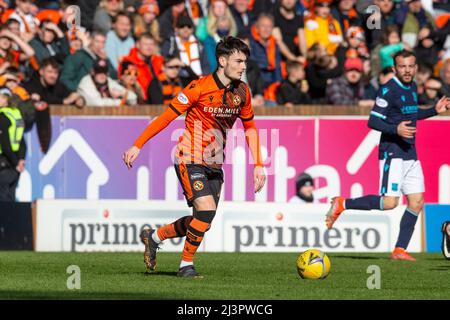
[130,52]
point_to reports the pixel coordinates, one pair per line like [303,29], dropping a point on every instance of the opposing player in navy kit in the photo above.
[395,114]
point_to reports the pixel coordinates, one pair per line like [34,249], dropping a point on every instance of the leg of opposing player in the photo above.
[391,179]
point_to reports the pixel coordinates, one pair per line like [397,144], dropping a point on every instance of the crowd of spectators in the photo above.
[129,52]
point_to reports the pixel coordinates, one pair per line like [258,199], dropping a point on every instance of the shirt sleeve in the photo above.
[186,98]
[378,116]
[383,103]
[247,110]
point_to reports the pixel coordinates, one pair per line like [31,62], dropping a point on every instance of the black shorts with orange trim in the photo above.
[199,181]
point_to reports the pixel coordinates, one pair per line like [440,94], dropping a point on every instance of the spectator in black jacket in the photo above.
[45,89]
[321,68]
[294,89]
[168,84]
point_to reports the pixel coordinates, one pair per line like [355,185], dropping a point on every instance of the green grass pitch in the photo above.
[30,275]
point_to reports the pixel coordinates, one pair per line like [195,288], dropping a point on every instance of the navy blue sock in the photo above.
[365,203]
[406,228]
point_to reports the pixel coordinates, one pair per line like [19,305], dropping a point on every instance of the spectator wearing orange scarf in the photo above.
[265,50]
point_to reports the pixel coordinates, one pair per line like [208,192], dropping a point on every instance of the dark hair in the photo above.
[386,71]
[143,35]
[10,21]
[49,62]
[403,54]
[229,45]
[435,79]
[120,14]
[170,57]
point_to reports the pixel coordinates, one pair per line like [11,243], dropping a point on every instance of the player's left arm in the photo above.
[252,138]
[440,107]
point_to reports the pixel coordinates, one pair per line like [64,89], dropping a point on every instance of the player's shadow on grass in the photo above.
[441,268]
[161,273]
[359,257]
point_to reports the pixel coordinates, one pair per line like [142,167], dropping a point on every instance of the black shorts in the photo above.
[199,181]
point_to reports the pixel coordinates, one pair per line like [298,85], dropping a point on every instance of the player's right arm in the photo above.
[378,115]
[177,107]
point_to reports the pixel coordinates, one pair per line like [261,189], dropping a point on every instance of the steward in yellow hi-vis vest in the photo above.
[12,147]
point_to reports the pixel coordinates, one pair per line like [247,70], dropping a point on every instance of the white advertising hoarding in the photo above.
[114,225]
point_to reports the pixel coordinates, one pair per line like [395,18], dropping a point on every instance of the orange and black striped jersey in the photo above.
[211,110]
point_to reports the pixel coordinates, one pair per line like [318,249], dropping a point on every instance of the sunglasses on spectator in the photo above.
[432,89]
[130,72]
[322,5]
[185,26]
[173,67]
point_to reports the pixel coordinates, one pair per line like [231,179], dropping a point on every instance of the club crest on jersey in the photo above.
[236,100]
[198,185]
[182,98]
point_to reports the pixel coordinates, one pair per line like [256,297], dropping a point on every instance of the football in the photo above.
[313,264]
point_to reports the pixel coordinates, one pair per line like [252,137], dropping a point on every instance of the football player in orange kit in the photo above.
[213,103]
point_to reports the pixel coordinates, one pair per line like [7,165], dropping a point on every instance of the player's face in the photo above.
[405,69]
[235,66]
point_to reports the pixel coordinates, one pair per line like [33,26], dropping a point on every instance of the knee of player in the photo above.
[206,203]
[390,203]
[416,205]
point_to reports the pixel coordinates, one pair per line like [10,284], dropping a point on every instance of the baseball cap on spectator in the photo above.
[353,64]
[355,32]
[100,66]
[149,8]
[184,21]
[5,91]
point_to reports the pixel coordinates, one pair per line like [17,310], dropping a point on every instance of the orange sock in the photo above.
[194,237]
[174,230]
